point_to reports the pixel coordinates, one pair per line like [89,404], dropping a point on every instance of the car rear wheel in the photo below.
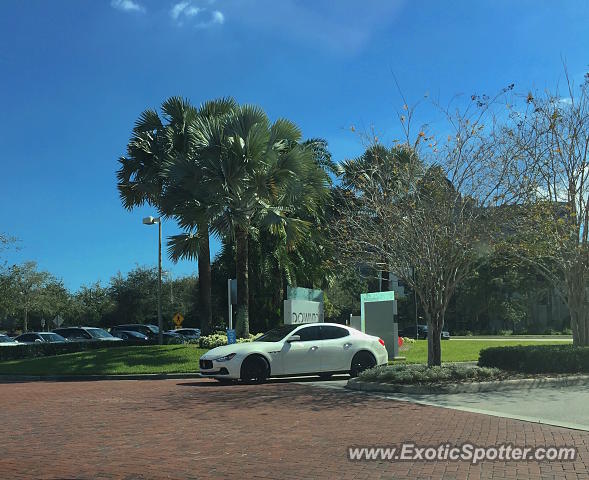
[255,369]
[362,361]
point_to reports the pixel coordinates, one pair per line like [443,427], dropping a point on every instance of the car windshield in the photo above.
[5,339]
[99,333]
[276,334]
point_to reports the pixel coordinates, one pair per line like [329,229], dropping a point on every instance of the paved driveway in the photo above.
[198,429]
[561,406]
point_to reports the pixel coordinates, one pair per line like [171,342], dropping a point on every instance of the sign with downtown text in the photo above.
[302,311]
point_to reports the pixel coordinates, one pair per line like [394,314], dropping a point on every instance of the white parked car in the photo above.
[5,340]
[40,337]
[289,350]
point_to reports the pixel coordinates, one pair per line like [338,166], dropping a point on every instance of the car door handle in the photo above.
[347,345]
[314,347]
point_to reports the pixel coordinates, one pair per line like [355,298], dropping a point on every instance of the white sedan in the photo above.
[289,350]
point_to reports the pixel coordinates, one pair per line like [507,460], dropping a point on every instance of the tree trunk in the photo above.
[276,296]
[204,279]
[26,320]
[385,281]
[242,323]
[577,303]
[435,323]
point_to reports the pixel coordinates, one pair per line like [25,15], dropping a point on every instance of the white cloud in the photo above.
[127,5]
[187,10]
[178,9]
[218,17]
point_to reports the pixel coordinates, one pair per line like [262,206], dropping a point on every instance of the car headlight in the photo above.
[226,358]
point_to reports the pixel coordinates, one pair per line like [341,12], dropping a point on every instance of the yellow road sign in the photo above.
[178,319]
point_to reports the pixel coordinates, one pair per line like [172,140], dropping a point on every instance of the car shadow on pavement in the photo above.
[210,382]
[278,393]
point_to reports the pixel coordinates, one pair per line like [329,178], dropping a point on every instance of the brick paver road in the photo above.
[176,429]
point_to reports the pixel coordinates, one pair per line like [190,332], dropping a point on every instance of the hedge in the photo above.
[537,358]
[422,374]
[33,350]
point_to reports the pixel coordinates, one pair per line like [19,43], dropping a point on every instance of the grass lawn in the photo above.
[113,361]
[184,358]
[459,350]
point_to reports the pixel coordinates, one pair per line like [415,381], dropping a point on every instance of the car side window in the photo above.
[308,334]
[28,338]
[79,334]
[330,332]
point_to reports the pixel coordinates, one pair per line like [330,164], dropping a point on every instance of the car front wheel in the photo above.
[362,361]
[255,369]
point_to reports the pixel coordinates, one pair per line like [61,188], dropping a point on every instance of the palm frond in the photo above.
[184,246]
[284,130]
[148,121]
[218,107]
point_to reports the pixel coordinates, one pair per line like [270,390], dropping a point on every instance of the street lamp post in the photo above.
[152,221]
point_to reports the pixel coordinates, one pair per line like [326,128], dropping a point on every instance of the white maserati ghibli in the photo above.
[290,350]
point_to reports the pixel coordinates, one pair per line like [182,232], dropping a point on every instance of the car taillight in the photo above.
[381,341]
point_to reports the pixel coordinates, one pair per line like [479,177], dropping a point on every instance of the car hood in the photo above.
[240,348]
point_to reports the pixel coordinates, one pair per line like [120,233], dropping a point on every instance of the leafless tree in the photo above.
[548,136]
[427,207]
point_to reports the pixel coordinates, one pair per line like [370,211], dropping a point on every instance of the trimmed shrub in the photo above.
[219,339]
[422,374]
[407,340]
[537,358]
[17,352]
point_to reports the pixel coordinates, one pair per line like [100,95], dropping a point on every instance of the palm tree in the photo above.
[253,173]
[143,178]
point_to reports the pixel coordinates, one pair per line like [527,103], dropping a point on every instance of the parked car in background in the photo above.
[420,333]
[187,333]
[5,340]
[85,334]
[40,337]
[289,350]
[149,330]
[130,336]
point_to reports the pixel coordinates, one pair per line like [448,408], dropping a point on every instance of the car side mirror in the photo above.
[38,340]
[294,338]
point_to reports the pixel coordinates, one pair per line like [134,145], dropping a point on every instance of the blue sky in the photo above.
[74,75]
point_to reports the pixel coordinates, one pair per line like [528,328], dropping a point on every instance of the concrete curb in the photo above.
[513,337]
[87,378]
[475,387]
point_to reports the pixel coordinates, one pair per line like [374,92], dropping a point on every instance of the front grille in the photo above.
[206,364]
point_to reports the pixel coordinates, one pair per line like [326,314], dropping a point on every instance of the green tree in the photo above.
[134,297]
[158,147]
[94,304]
[27,286]
[255,173]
